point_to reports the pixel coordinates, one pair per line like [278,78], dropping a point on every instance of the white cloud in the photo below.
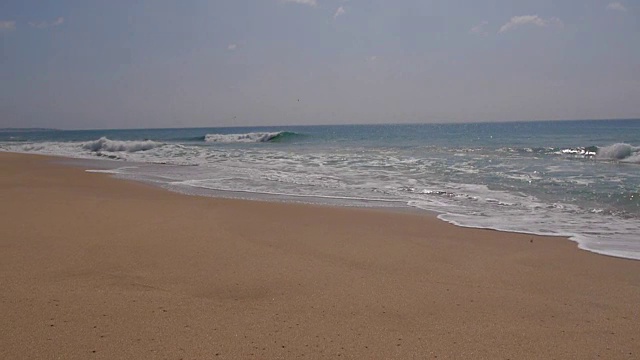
[479,29]
[7,25]
[340,11]
[304,2]
[44,24]
[232,47]
[372,58]
[518,21]
[616,6]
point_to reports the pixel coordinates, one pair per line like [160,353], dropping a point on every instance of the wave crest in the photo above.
[621,152]
[254,137]
[104,144]
[582,151]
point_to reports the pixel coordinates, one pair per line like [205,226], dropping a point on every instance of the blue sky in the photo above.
[157,63]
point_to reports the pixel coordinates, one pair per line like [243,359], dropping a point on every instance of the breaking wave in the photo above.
[617,152]
[254,137]
[104,144]
[620,152]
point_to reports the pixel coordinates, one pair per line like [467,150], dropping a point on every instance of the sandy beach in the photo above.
[96,267]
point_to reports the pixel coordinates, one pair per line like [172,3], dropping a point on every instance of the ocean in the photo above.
[579,179]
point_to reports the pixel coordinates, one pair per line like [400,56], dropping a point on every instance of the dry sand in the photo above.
[95,267]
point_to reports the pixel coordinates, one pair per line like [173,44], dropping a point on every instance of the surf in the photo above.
[252,137]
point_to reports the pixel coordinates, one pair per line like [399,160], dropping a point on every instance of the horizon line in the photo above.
[40,128]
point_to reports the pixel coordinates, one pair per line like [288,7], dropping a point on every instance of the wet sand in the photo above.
[96,267]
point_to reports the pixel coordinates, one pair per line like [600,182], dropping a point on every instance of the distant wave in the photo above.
[104,144]
[588,151]
[254,137]
[617,152]
[15,139]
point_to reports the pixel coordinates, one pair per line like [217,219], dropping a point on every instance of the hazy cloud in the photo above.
[518,21]
[7,25]
[296,50]
[340,11]
[479,29]
[44,24]
[616,6]
[304,2]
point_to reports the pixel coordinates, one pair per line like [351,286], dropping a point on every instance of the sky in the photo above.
[84,64]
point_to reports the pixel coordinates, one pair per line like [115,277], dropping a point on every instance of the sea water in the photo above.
[579,179]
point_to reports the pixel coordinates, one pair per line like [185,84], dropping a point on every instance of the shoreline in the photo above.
[93,266]
[316,201]
[609,234]
[84,164]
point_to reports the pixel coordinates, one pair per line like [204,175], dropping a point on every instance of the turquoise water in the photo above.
[573,178]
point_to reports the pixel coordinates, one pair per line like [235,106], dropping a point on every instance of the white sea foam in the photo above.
[612,238]
[578,151]
[117,171]
[66,149]
[145,151]
[254,137]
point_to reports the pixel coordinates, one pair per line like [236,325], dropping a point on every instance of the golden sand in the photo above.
[95,267]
